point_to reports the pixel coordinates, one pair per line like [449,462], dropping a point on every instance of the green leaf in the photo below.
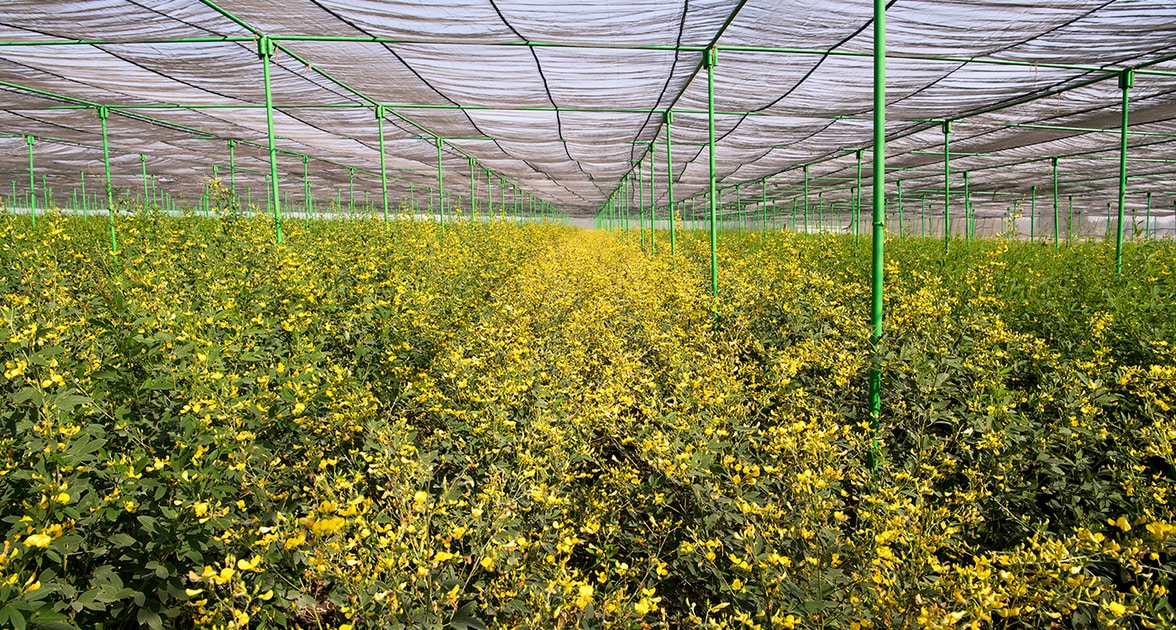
[464,618]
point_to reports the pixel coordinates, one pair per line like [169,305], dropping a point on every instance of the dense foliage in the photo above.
[389,425]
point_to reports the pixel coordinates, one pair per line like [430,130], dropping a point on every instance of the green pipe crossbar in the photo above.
[541,44]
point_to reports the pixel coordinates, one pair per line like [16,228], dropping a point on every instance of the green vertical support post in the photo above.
[306,189]
[641,207]
[764,204]
[103,114]
[1033,214]
[1126,80]
[968,231]
[899,185]
[232,171]
[821,211]
[473,190]
[265,50]
[30,140]
[412,198]
[143,164]
[1147,219]
[806,198]
[350,192]
[879,234]
[946,184]
[857,198]
[922,216]
[741,221]
[383,159]
[652,198]
[669,118]
[709,60]
[440,183]
[1053,162]
[85,204]
[1070,218]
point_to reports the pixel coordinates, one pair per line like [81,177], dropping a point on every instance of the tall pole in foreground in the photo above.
[1126,80]
[875,402]
[440,184]
[265,50]
[383,164]
[946,183]
[670,183]
[103,114]
[710,59]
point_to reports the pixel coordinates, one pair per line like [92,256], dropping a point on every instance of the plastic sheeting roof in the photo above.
[564,99]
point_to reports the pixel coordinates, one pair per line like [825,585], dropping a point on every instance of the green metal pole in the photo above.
[967,208]
[806,198]
[878,257]
[899,185]
[30,140]
[143,164]
[1033,214]
[821,211]
[709,60]
[1147,219]
[103,114]
[85,203]
[857,199]
[764,204]
[232,171]
[473,190]
[669,118]
[946,184]
[350,192]
[306,189]
[1053,163]
[652,199]
[1070,219]
[1126,80]
[640,207]
[440,184]
[265,50]
[383,162]
[922,216]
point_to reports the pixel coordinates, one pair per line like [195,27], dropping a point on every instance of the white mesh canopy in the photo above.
[564,100]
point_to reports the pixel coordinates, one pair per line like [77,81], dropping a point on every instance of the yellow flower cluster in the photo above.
[397,425]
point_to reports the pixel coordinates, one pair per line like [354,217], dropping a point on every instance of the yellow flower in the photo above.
[328,526]
[1117,609]
[38,540]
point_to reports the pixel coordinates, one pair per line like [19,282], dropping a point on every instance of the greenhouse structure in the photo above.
[708,313]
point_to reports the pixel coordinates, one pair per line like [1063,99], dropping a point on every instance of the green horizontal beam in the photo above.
[571,45]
